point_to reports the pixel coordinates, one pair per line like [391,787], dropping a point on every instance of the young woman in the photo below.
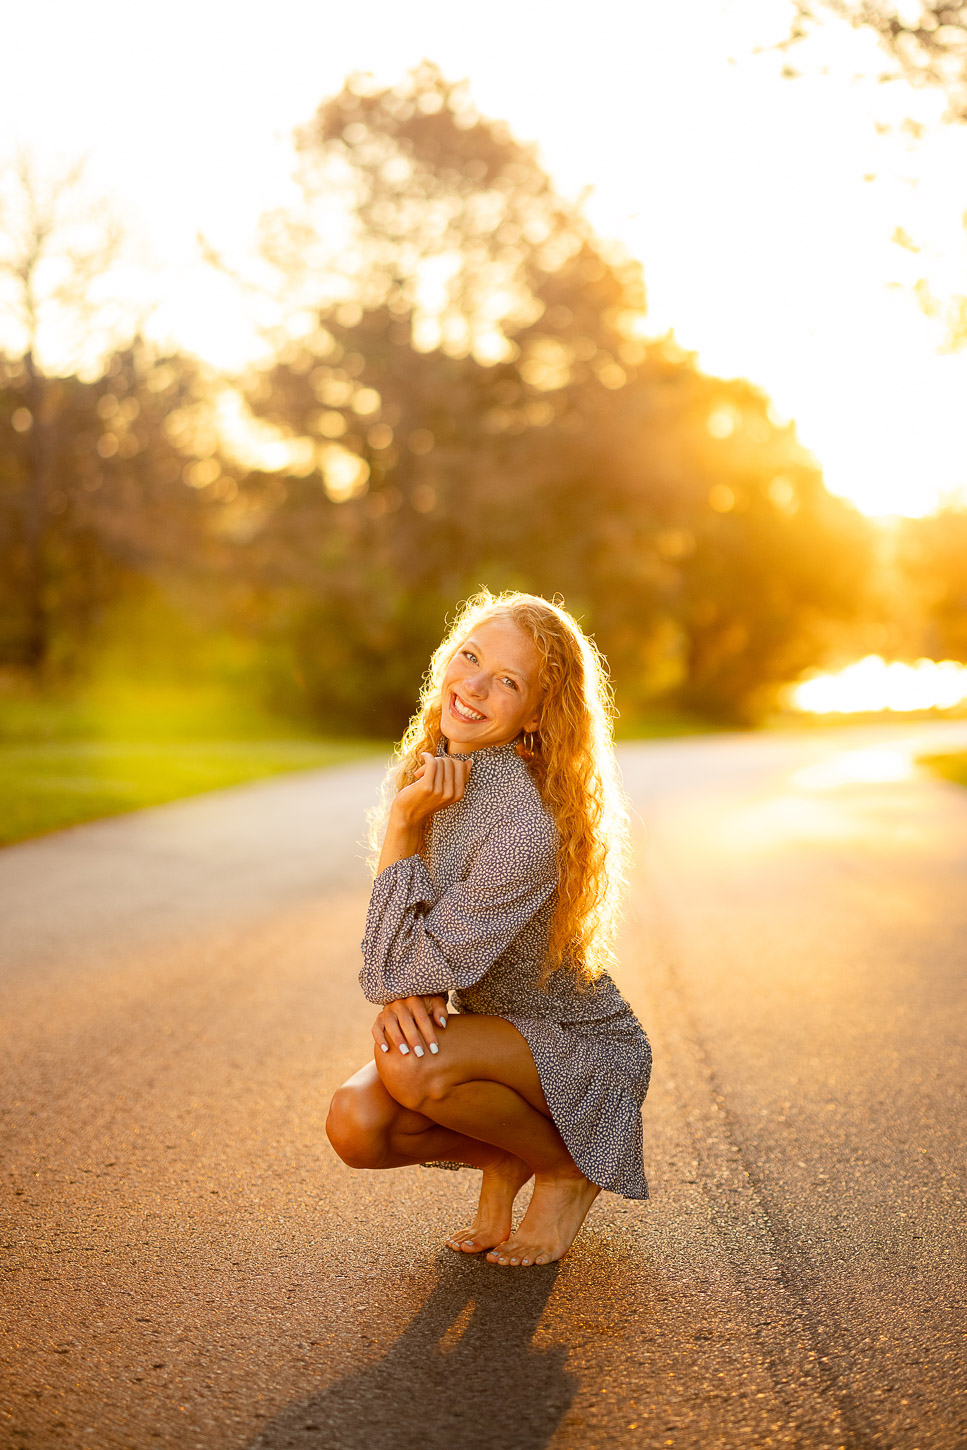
[497,883]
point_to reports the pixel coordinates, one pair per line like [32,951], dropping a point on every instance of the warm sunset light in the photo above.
[873,684]
[816,255]
[451,459]
[290,367]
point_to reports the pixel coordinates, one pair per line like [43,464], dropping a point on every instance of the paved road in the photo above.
[187,1264]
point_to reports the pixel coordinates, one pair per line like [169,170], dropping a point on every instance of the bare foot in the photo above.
[548,1229]
[502,1181]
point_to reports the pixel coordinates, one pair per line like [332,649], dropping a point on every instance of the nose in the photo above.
[476,684]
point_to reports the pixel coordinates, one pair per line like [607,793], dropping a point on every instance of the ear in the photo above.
[531,725]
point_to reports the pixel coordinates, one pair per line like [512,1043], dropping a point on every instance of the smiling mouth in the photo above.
[464,712]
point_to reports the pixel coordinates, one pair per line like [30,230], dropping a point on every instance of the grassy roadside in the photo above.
[66,760]
[44,787]
[951,767]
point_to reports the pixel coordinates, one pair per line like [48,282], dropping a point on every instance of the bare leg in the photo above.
[549,1227]
[484,1085]
[369,1129]
[500,1185]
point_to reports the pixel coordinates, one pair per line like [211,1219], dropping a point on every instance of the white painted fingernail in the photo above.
[443,1022]
[403,1048]
[434,1048]
[418,1051]
[384,1047]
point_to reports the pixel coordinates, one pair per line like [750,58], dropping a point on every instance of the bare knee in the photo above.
[413,1082]
[355,1131]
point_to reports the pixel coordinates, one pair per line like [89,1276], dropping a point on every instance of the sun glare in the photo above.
[874,765]
[816,255]
[874,684]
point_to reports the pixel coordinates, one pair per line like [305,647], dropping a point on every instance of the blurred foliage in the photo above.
[95,498]
[59,245]
[542,444]
[951,767]
[927,42]
[924,44]
[931,558]
[470,400]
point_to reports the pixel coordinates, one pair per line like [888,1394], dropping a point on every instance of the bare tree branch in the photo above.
[58,246]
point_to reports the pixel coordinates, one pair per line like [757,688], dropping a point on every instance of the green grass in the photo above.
[661,724]
[116,745]
[951,767]
[127,710]
[46,786]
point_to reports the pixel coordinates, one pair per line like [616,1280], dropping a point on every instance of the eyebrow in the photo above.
[519,673]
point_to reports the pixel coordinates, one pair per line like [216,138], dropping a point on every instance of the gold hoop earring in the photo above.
[530,744]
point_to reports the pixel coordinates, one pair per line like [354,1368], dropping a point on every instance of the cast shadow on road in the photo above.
[464,1372]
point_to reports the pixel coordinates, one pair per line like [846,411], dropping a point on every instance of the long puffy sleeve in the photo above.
[418,941]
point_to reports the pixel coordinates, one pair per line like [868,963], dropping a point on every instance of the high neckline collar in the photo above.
[487,755]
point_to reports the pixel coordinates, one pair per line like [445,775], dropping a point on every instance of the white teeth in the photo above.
[465,713]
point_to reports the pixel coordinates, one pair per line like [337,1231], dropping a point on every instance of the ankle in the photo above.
[563,1168]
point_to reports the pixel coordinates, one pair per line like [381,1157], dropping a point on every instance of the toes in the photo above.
[517,1258]
[459,1241]
[472,1241]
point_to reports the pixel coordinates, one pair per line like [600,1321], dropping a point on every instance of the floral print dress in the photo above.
[472,920]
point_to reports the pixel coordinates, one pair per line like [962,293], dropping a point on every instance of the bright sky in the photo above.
[743,194]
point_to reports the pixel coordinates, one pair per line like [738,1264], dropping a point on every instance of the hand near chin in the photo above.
[440,781]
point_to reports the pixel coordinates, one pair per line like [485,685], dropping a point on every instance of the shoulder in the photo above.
[522,829]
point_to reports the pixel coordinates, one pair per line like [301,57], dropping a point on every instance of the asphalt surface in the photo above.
[186,1263]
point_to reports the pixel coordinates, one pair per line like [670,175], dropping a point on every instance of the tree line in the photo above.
[470,400]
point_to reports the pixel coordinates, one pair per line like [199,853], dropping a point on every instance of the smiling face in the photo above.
[490,690]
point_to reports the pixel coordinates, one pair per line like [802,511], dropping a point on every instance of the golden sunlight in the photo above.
[875,684]
[814,255]
[873,765]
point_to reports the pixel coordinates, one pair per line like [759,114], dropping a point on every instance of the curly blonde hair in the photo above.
[572,764]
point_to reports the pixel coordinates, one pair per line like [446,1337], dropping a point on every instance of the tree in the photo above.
[436,213]
[55,247]
[512,428]
[932,562]
[129,476]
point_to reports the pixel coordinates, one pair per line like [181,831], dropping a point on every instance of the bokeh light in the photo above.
[875,684]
